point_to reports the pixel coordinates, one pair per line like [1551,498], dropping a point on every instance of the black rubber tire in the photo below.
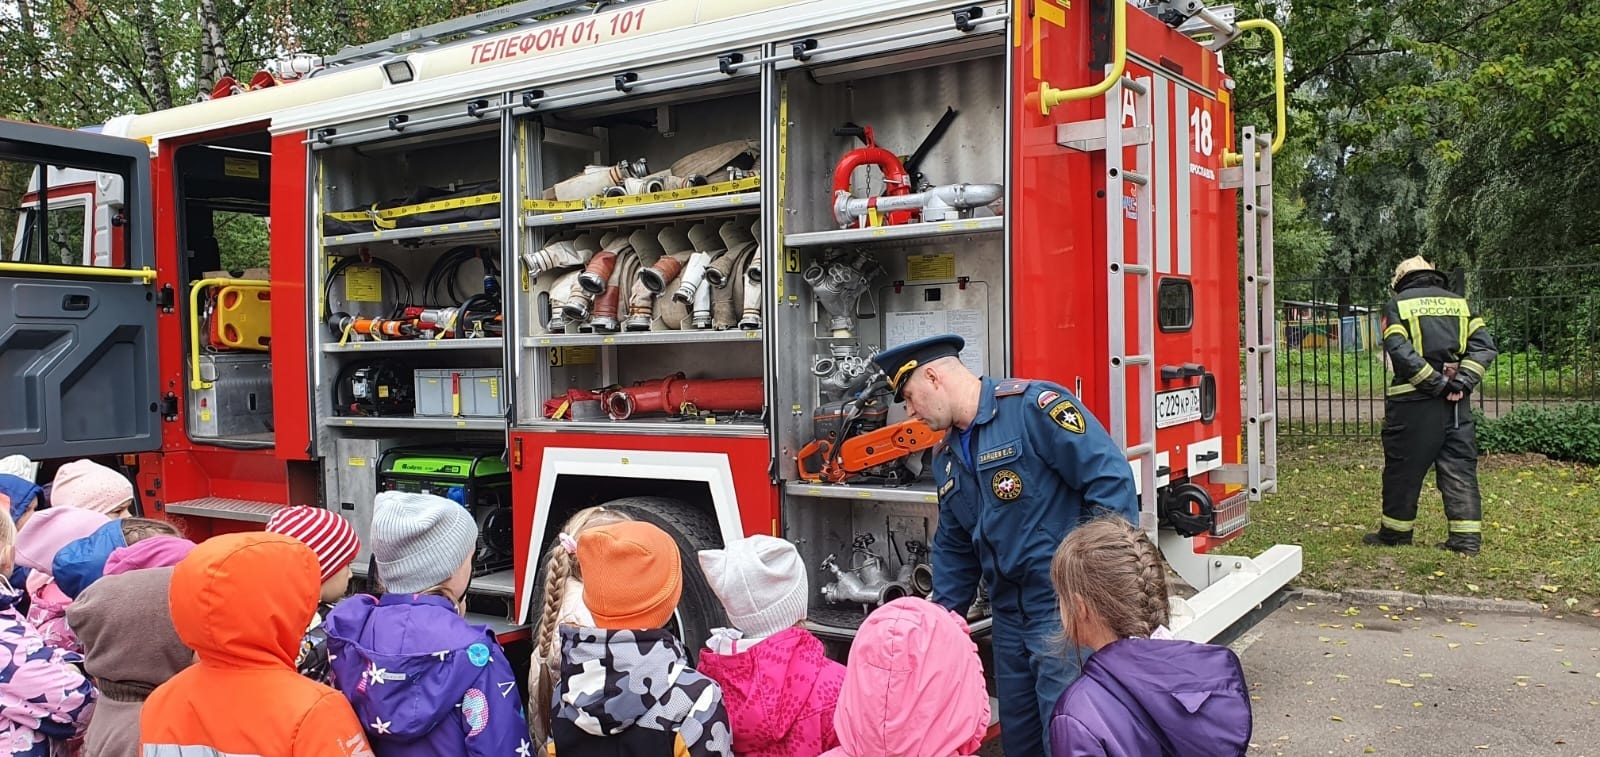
[699,610]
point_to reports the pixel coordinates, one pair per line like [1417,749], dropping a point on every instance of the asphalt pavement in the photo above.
[1338,679]
[1331,678]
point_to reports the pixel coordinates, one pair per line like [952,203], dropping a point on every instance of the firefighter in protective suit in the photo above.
[1021,465]
[1439,350]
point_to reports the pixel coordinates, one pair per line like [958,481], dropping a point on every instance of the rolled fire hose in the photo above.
[595,276]
[701,317]
[607,305]
[751,317]
[562,292]
[677,395]
[562,253]
[671,313]
[641,297]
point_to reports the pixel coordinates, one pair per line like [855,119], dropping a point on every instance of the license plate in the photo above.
[1177,407]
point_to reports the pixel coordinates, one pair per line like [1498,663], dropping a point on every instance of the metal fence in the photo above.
[1331,366]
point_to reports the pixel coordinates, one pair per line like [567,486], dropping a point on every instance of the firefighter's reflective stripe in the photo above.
[1473,367]
[1396,390]
[1395,330]
[387,215]
[1466,526]
[1393,525]
[1473,326]
[1421,375]
[686,193]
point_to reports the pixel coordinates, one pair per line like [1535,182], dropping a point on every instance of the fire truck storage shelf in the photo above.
[920,492]
[418,345]
[623,338]
[451,231]
[910,231]
[400,422]
[656,427]
[702,207]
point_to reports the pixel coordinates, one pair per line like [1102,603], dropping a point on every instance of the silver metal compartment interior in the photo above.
[901,107]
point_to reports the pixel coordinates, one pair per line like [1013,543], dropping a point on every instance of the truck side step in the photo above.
[228,509]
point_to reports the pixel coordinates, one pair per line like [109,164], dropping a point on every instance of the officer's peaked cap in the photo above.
[898,363]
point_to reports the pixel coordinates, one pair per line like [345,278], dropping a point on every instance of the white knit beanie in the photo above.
[21,467]
[419,540]
[761,582]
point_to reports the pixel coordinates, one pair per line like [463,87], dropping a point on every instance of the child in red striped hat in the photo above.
[336,545]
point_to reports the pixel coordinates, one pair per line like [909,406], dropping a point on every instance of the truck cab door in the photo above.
[78,343]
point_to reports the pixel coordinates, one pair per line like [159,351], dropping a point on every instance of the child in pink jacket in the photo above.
[778,686]
[914,687]
[45,700]
[38,543]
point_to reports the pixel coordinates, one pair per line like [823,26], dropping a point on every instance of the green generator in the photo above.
[475,478]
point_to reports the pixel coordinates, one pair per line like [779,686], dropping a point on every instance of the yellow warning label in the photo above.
[205,416]
[494,386]
[383,391]
[930,267]
[242,168]
[363,284]
[358,462]
[560,356]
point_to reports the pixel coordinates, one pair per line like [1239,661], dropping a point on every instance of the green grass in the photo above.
[1363,373]
[1540,542]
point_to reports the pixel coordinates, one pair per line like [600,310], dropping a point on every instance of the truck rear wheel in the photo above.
[693,529]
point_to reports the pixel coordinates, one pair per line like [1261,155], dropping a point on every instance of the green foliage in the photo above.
[242,239]
[1562,432]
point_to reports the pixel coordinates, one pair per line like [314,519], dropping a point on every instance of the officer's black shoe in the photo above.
[1470,550]
[1386,538]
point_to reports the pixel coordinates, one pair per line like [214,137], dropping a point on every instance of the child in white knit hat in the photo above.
[779,687]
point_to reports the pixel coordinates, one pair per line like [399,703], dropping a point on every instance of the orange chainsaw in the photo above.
[853,443]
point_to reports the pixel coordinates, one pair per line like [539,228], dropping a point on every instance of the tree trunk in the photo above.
[214,54]
[155,61]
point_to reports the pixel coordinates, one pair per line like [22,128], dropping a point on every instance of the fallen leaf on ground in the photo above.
[1453,645]
[1549,588]
[1400,683]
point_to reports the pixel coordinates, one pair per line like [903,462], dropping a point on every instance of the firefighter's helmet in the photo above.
[1409,266]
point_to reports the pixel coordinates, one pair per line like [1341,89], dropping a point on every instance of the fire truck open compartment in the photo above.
[852,291]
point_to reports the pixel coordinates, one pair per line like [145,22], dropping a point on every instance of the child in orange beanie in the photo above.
[626,686]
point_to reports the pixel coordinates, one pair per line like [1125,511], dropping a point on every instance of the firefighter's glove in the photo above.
[1457,386]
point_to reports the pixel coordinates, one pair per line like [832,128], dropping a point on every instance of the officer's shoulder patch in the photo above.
[1067,416]
[1011,387]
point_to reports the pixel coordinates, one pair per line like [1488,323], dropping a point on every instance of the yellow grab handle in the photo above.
[1050,97]
[194,321]
[145,275]
[1279,85]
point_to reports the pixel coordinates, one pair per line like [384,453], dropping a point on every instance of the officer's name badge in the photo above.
[997,454]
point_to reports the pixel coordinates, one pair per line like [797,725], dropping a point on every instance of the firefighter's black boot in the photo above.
[1386,537]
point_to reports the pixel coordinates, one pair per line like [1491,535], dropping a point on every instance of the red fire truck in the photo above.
[558,256]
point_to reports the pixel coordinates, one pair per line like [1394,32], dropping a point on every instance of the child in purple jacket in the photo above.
[421,679]
[1141,692]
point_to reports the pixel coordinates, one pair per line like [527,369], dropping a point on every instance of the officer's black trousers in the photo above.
[1437,434]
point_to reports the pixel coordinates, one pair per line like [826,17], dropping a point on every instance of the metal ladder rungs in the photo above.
[1265,349]
[1140,450]
[1134,177]
[1263,210]
[1135,270]
[1090,136]
[1264,418]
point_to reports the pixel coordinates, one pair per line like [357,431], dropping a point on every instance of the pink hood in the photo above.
[780,695]
[914,687]
[47,532]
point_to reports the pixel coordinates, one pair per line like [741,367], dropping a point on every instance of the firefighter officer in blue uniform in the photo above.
[1021,465]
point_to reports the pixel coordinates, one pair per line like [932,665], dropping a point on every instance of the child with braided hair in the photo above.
[1142,692]
[563,606]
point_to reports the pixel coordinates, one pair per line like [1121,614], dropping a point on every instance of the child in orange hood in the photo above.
[242,602]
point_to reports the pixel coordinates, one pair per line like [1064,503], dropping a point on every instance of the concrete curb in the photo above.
[1439,602]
